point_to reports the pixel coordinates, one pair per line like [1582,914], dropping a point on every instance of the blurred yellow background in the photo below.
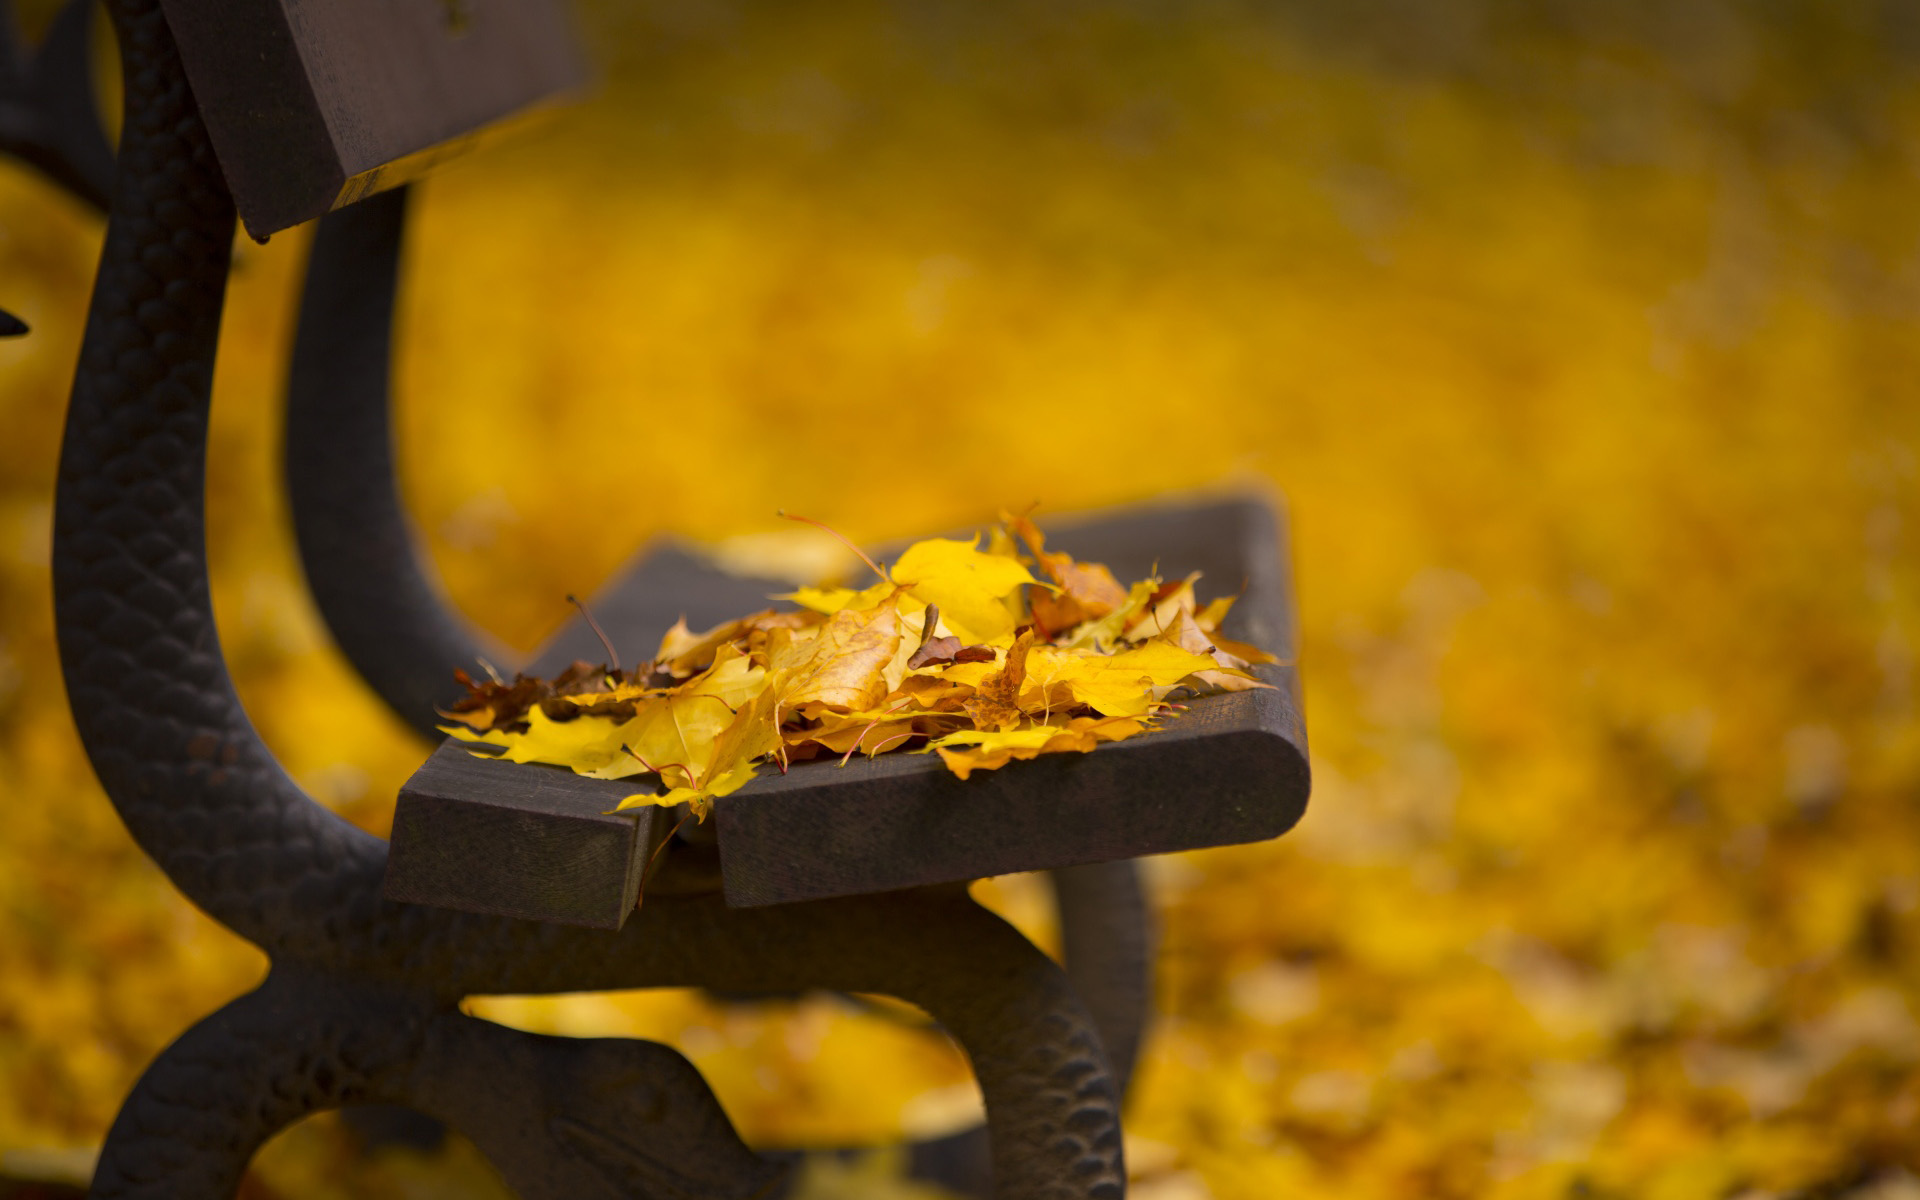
[1583,341]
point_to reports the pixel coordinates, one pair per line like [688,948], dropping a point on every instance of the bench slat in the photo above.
[313,104]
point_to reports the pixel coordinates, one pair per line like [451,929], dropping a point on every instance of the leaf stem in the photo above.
[848,756]
[884,577]
[613,656]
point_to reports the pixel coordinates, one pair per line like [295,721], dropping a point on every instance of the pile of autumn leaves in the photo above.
[958,650]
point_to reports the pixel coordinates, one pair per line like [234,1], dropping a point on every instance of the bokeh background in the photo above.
[1582,340]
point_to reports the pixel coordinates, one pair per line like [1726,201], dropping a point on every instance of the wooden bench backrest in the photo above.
[313,104]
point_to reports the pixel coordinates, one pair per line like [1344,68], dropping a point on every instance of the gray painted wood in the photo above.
[313,104]
[516,841]
[1225,772]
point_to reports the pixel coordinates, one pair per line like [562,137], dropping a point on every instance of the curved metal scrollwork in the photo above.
[47,114]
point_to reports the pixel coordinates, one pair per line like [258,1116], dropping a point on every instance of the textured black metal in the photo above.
[363,562]
[560,1117]
[499,838]
[361,1001]
[1107,936]
[47,112]
[1107,932]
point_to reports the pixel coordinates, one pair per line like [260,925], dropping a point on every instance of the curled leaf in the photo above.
[684,653]
[1087,591]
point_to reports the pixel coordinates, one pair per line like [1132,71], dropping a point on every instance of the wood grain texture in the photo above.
[516,841]
[1224,773]
[312,104]
[1232,769]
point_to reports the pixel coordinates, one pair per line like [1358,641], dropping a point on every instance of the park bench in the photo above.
[513,879]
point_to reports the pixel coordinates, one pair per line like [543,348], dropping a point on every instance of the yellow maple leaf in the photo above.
[684,653]
[731,676]
[586,745]
[830,600]
[968,750]
[843,665]
[1127,684]
[671,731]
[929,690]
[1234,675]
[1209,618]
[1164,610]
[972,588]
[970,674]
[1240,650]
[869,733]
[673,736]
[752,734]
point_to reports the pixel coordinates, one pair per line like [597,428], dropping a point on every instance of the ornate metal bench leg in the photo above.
[1106,931]
[1053,1111]
[356,543]
[563,1119]
[228,1084]
[1053,1105]
[573,1119]
[1107,939]
[360,1004]
[47,113]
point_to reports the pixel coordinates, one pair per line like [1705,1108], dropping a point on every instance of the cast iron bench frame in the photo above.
[360,1004]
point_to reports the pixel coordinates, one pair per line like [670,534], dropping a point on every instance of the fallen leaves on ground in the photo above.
[958,650]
